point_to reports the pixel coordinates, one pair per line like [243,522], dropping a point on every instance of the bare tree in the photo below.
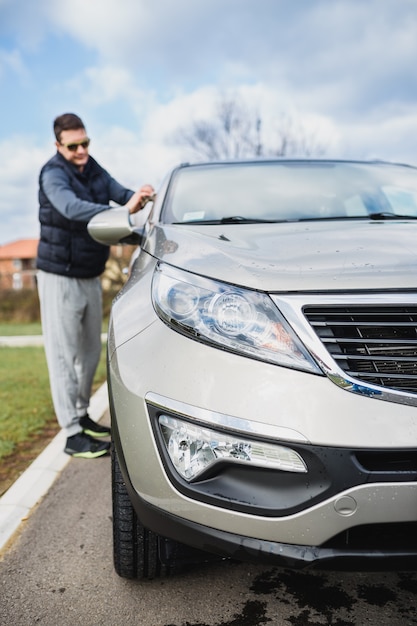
[293,139]
[237,131]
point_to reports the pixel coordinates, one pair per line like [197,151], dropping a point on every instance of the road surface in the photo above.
[58,570]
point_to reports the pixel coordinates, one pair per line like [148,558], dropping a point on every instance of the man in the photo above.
[72,188]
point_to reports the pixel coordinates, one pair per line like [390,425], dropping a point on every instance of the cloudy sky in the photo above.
[137,70]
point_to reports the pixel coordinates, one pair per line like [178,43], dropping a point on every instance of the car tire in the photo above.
[135,548]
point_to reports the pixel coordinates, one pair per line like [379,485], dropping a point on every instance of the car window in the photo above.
[289,190]
[402,201]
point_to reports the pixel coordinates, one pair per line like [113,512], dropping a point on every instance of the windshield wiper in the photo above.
[233,219]
[387,215]
[319,219]
[238,219]
[383,215]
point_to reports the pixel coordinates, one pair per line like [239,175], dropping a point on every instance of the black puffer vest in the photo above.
[65,247]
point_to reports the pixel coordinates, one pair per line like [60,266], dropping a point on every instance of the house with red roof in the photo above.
[18,264]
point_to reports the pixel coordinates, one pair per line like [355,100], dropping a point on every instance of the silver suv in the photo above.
[262,368]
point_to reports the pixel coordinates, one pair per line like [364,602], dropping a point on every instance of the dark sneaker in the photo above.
[90,427]
[83,446]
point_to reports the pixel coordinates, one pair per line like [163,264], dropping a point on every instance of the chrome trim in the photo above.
[227,422]
[291,306]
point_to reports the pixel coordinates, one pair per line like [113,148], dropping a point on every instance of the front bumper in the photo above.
[359,504]
[373,547]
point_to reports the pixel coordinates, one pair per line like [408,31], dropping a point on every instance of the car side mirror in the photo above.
[114,226]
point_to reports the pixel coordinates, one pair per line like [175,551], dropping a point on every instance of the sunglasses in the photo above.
[72,147]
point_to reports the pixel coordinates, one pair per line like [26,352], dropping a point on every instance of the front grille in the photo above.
[374,344]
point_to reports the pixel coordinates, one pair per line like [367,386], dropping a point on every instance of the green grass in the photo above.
[25,401]
[8,329]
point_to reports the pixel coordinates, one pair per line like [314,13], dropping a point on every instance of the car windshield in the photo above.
[275,191]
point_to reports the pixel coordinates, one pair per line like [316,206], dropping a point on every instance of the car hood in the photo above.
[295,256]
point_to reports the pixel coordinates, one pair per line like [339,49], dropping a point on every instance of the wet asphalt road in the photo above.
[59,571]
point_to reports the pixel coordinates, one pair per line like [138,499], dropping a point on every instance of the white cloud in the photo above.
[99,85]
[109,26]
[385,135]
[19,188]
[357,52]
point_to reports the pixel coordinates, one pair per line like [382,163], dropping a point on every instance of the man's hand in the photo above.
[140,198]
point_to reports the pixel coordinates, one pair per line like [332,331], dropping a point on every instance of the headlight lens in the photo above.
[193,449]
[235,319]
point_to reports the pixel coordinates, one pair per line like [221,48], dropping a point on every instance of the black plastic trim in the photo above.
[275,493]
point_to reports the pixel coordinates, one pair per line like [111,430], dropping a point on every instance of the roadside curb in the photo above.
[18,501]
[21,341]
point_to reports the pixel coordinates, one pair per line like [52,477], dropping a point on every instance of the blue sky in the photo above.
[137,70]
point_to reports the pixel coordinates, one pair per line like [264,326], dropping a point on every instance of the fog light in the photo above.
[193,449]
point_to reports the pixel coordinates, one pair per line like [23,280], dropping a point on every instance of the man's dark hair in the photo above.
[67,121]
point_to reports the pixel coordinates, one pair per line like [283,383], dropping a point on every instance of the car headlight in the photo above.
[229,317]
[193,449]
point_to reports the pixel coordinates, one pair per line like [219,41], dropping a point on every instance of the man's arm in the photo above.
[59,192]
[56,186]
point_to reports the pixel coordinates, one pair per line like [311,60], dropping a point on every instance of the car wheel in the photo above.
[135,548]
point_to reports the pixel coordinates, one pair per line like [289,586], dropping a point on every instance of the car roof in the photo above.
[292,160]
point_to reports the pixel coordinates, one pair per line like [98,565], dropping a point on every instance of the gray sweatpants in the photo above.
[71,314]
